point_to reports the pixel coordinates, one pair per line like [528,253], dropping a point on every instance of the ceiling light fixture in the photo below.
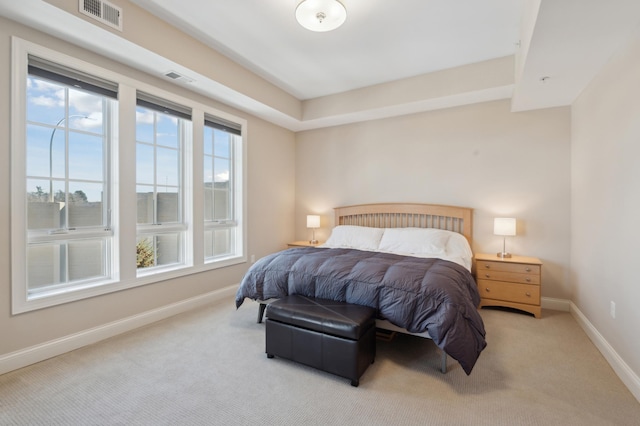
[321,15]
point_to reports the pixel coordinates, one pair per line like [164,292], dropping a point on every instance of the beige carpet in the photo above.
[208,367]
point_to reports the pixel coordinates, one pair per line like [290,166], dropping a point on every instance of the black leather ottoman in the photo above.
[335,337]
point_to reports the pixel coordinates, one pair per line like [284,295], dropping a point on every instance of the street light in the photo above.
[51,152]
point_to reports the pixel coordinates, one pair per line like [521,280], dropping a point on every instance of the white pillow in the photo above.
[356,237]
[459,246]
[415,241]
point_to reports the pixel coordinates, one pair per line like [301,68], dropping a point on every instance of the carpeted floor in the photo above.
[208,367]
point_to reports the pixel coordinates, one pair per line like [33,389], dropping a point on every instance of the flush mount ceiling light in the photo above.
[321,15]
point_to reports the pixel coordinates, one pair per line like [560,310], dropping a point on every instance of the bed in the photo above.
[411,262]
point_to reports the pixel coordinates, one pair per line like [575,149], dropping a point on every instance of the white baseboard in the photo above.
[556,304]
[626,374]
[37,353]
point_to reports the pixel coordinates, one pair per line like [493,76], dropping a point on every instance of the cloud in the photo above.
[144,116]
[222,177]
[84,103]
[46,101]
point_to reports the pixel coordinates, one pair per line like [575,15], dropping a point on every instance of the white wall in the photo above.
[606,203]
[480,156]
[271,174]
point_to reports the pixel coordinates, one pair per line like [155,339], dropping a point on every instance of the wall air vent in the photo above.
[103,11]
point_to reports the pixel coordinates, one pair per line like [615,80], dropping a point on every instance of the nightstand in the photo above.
[304,244]
[512,282]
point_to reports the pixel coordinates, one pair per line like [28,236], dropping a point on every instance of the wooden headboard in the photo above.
[399,215]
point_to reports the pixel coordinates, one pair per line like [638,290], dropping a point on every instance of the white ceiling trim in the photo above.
[566,40]
[56,22]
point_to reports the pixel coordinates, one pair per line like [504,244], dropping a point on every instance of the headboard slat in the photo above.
[403,215]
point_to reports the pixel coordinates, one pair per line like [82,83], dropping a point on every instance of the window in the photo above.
[69,119]
[162,130]
[86,143]
[221,144]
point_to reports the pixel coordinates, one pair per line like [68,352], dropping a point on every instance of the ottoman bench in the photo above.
[335,337]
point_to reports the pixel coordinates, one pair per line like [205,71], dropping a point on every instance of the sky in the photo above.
[57,114]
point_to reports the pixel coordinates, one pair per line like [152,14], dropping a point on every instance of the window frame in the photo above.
[181,226]
[61,238]
[123,191]
[235,150]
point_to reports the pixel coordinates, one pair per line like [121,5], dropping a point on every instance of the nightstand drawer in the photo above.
[520,293]
[509,276]
[521,268]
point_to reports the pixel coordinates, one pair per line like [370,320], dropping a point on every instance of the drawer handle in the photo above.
[487,275]
[486,265]
[528,294]
[527,269]
[528,279]
[487,290]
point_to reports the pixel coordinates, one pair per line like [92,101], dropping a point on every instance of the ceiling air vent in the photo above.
[103,11]
[175,76]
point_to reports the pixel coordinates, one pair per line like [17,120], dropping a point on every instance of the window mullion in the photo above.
[106,165]
[66,161]
[155,169]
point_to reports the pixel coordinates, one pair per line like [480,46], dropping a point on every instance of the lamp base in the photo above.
[313,242]
[504,255]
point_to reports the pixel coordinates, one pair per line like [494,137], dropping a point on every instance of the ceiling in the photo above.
[385,46]
[381,40]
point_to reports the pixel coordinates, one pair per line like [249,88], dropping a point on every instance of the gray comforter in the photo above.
[417,294]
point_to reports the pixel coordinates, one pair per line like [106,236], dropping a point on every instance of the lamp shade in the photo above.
[313,221]
[505,226]
[321,15]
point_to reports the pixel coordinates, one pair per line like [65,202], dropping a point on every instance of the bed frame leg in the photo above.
[443,362]
[261,309]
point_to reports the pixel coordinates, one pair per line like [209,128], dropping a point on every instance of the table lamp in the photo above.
[313,222]
[505,226]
